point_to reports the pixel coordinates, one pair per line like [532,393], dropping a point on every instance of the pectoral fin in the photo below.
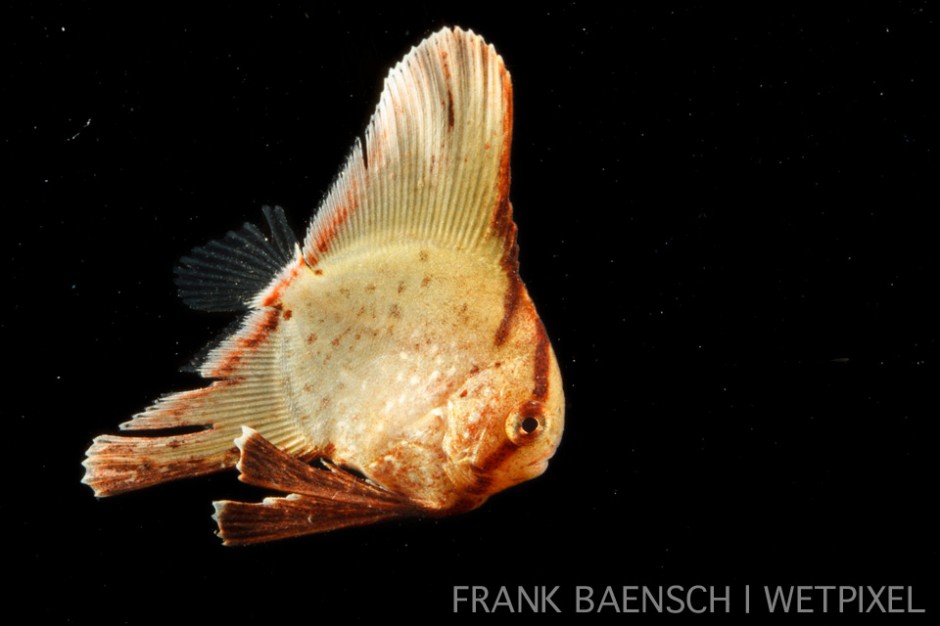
[319,500]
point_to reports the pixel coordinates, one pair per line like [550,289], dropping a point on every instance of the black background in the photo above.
[724,221]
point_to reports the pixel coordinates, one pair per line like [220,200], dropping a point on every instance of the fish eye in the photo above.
[525,424]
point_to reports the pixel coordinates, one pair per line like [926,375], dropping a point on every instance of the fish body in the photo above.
[403,381]
[397,347]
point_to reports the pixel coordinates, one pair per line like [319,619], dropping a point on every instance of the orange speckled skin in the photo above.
[410,367]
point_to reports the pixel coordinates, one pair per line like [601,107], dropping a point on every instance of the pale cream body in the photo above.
[378,347]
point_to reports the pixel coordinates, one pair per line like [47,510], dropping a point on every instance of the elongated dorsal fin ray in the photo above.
[229,274]
[435,165]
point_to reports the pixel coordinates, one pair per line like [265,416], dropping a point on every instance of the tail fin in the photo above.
[249,387]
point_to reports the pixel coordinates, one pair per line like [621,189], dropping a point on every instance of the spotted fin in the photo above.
[234,273]
[435,165]
[248,390]
[190,433]
[320,499]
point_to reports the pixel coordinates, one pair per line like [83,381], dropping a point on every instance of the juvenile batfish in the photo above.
[392,366]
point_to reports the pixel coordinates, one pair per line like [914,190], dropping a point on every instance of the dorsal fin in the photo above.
[229,274]
[435,166]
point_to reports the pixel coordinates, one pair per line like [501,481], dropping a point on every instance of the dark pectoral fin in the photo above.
[319,500]
[228,274]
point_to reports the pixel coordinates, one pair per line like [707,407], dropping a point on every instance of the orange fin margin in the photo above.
[435,163]
[320,500]
[248,392]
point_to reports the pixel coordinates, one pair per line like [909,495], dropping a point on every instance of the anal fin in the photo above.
[117,464]
[249,390]
[320,500]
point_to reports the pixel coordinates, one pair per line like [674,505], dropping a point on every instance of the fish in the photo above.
[392,363]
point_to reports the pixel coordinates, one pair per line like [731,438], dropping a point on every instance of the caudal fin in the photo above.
[242,270]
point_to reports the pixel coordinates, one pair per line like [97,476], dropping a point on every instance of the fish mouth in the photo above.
[535,468]
[541,463]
